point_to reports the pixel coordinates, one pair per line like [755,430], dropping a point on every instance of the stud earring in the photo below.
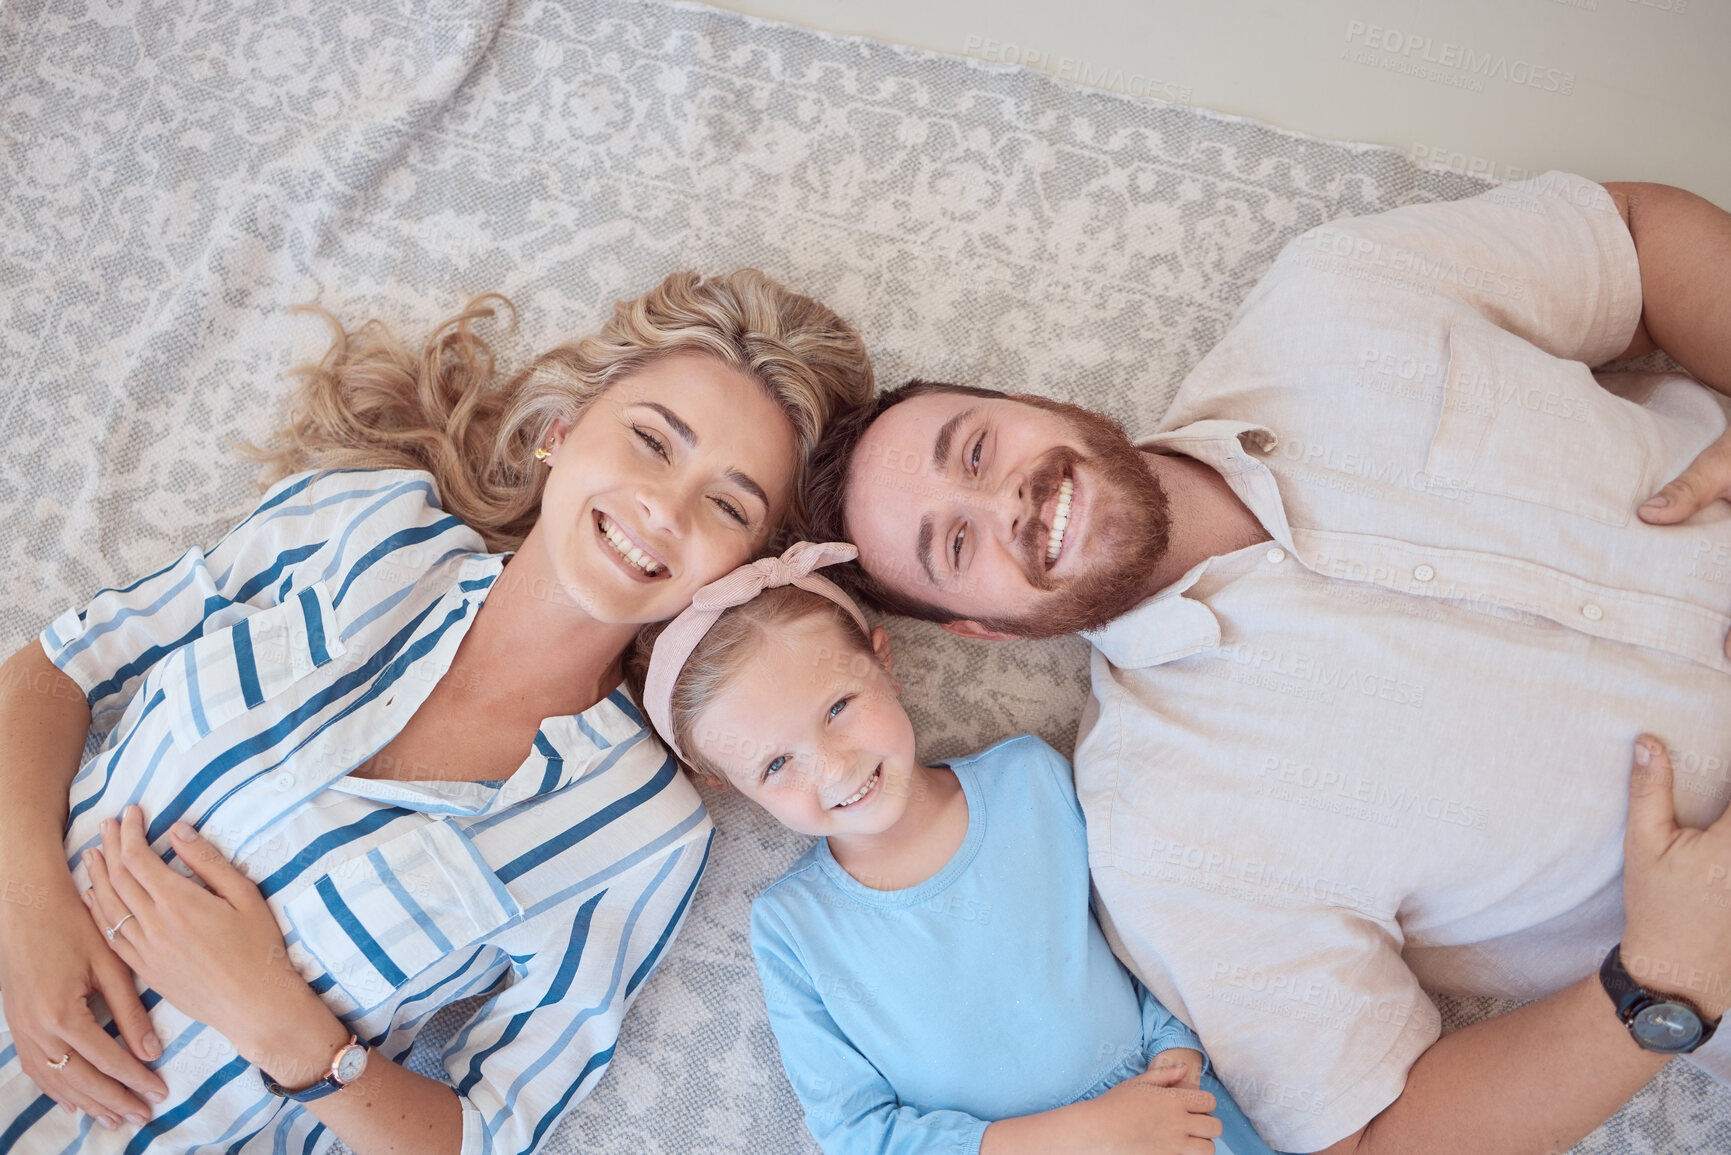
[542,453]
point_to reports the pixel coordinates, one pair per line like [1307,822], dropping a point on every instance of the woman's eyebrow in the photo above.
[689,435]
[686,433]
[746,483]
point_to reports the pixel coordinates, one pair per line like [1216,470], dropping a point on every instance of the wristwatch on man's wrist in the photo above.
[348,1065]
[1664,1024]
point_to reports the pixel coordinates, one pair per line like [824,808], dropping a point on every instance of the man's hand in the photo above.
[1708,479]
[1671,942]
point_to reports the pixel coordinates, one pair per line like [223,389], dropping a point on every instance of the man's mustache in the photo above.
[1043,482]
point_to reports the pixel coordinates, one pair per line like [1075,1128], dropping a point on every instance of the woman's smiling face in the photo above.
[675,475]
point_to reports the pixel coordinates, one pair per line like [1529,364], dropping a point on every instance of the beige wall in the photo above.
[1613,89]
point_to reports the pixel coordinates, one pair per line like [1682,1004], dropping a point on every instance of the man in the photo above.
[1375,621]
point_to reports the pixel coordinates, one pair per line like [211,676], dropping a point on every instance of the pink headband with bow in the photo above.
[673,648]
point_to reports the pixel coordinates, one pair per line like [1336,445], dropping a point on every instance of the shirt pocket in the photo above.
[214,680]
[1518,422]
[378,919]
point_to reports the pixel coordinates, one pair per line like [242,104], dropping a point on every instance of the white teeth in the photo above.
[863,790]
[1060,519]
[622,545]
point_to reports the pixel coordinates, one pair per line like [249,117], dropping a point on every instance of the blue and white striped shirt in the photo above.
[238,688]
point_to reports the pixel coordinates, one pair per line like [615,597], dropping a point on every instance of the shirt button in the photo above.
[284,781]
[1424,573]
[1276,555]
[1592,612]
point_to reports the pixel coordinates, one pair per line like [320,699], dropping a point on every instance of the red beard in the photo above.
[1128,531]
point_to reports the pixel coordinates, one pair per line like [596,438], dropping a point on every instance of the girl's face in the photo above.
[671,478]
[813,731]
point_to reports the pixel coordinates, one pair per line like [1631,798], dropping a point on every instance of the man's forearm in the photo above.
[1683,244]
[1536,1079]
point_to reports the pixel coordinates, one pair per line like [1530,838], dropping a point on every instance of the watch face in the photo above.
[351,1063]
[1667,1028]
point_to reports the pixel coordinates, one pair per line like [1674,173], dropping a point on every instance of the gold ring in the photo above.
[64,1059]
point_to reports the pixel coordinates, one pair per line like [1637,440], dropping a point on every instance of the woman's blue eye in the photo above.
[775,764]
[652,441]
[978,447]
[841,704]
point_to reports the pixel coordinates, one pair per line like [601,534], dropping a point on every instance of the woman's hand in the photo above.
[216,954]
[51,961]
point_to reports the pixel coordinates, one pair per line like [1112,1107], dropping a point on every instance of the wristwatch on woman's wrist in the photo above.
[1664,1024]
[350,1062]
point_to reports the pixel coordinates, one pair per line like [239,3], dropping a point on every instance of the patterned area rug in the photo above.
[174,177]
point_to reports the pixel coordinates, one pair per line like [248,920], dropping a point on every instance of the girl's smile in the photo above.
[868,790]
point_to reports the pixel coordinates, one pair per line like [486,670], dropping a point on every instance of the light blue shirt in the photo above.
[910,1019]
[238,688]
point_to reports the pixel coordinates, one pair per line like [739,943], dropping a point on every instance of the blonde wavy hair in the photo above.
[373,403]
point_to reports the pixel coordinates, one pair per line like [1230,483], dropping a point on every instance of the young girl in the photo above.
[932,969]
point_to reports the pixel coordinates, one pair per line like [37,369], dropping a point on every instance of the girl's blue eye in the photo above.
[840,705]
[978,446]
[775,764]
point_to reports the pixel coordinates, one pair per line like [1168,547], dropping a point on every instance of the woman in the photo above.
[397,762]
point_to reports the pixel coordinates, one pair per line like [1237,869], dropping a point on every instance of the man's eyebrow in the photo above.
[946,434]
[686,433]
[923,548]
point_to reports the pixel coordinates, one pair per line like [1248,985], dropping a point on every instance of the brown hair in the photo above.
[372,403]
[826,496]
[724,651]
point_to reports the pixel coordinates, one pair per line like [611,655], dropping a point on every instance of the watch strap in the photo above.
[1625,992]
[329,1085]
[1630,997]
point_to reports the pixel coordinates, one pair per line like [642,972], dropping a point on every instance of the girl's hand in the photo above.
[51,961]
[216,954]
[1152,1114]
[1187,1059]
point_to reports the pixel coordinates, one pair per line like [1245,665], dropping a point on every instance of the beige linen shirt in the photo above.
[1391,747]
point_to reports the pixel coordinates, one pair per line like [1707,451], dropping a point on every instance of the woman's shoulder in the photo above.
[355,505]
[335,489]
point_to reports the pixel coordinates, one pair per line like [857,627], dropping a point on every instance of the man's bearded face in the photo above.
[1031,517]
